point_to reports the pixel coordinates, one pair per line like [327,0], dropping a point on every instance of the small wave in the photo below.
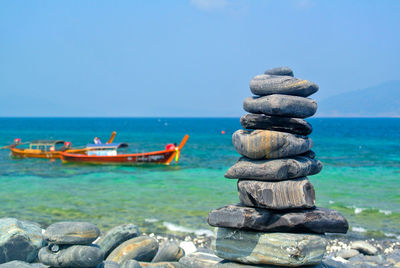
[178,228]
[331,202]
[358,229]
[391,235]
[386,212]
[358,210]
[150,220]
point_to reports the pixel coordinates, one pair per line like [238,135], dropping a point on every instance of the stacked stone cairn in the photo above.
[276,221]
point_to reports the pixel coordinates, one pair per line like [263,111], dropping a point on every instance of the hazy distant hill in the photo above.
[378,101]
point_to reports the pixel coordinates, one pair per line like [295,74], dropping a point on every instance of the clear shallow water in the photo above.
[360,178]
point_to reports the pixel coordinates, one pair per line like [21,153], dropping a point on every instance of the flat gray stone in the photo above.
[281,105]
[19,240]
[364,247]
[291,194]
[130,264]
[274,169]
[109,264]
[268,144]
[16,264]
[284,249]
[200,260]
[169,252]
[72,256]
[116,236]
[347,253]
[164,264]
[283,124]
[264,84]
[319,220]
[71,233]
[142,248]
[279,71]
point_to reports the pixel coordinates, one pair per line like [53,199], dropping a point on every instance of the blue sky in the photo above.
[185,58]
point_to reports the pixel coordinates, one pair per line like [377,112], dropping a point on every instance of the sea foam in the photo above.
[177,228]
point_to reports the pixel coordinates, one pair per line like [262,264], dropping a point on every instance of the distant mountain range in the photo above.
[379,101]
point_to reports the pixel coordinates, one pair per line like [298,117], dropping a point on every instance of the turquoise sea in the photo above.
[360,178]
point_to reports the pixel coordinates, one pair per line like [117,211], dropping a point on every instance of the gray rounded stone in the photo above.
[283,249]
[290,194]
[130,264]
[281,105]
[16,264]
[268,144]
[142,248]
[108,264]
[279,71]
[283,124]
[19,240]
[274,169]
[71,233]
[72,256]
[169,252]
[116,236]
[263,85]
[347,253]
[164,264]
[364,247]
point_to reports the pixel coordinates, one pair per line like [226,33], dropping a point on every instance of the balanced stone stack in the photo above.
[276,221]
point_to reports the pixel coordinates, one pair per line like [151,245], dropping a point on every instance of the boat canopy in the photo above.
[47,142]
[107,145]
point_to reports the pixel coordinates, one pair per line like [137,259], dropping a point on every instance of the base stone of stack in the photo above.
[285,124]
[280,71]
[291,194]
[319,220]
[285,249]
[281,105]
[267,144]
[274,169]
[266,84]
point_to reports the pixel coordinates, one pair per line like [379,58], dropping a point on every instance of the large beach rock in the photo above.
[279,71]
[71,256]
[19,240]
[281,105]
[169,252]
[284,249]
[265,84]
[261,144]
[291,194]
[142,248]
[283,124]
[71,233]
[319,220]
[274,169]
[116,236]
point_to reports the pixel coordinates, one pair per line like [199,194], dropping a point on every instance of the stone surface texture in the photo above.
[279,71]
[71,233]
[116,236]
[281,105]
[291,194]
[72,256]
[269,248]
[283,124]
[142,248]
[266,84]
[108,264]
[169,252]
[130,264]
[267,144]
[364,247]
[274,169]
[164,264]
[319,220]
[19,240]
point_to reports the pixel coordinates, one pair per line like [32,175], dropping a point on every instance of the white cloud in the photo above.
[209,4]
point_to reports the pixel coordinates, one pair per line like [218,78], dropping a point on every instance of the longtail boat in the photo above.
[108,154]
[50,149]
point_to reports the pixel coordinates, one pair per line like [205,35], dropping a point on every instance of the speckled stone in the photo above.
[72,256]
[19,240]
[142,248]
[71,233]
[281,105]
[265,84]
[267,144]
[169,252]
[276,123]
[116,236]
[284,249]
[279,71]
[319,220]
[290,194]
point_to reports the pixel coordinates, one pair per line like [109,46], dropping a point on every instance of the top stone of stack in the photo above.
[281,81]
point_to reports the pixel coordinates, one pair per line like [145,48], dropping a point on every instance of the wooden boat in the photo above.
[50,149]
[107,154]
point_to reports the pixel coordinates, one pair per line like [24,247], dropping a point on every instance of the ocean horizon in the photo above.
[360,177]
